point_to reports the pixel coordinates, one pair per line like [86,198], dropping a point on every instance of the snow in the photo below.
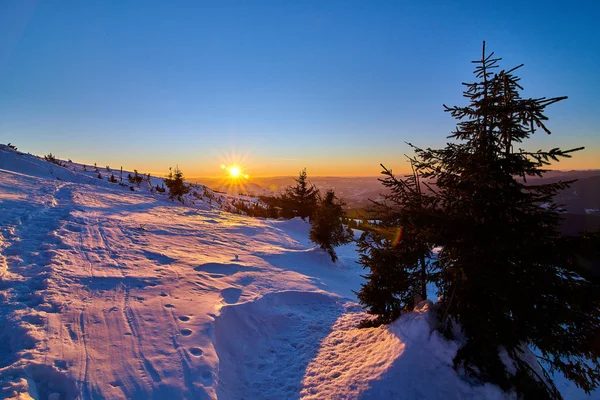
[408,359]
[109,293]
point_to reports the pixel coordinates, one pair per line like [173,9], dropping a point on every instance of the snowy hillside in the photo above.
[109,293]
[199,196]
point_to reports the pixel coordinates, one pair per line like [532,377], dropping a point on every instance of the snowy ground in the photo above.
[112,294]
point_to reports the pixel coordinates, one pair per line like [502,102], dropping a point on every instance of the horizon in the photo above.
[274,88]
[225,176]
[359,176]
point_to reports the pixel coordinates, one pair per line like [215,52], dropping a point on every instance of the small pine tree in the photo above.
[387,291]
[302,197]
[52,159]
[288,207]
[112,178]
[326,228]
[137,178]
[398,250]
[176,185]
[99,175]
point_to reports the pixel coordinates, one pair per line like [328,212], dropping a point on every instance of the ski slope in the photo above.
[109,293]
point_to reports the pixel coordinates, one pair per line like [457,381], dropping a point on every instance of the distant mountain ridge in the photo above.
[582,198]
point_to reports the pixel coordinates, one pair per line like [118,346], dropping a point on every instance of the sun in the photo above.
[234,178]
[234,172]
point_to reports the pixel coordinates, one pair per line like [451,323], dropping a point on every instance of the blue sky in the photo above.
[334,86]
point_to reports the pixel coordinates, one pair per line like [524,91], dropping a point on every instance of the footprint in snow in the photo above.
[231,295]
[169,306]
[184,318]
[61,364]
[186,332]
[196,351]
[245,280]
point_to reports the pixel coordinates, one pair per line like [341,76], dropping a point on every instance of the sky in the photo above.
[337,87]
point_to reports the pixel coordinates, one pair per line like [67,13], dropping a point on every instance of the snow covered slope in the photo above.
[109,293]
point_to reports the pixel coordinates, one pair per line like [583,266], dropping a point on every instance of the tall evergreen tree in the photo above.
[508,278]
[303,196]
[327,229]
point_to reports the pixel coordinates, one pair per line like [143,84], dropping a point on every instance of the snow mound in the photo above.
[407,360]
[264,346]
[291,344]
[200,196]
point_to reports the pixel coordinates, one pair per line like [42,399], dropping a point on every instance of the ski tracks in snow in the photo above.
[33,245]
[104,298]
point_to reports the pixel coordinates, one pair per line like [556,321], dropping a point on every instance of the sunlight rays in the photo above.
[233,172]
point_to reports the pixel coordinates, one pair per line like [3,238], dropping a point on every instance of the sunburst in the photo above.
[234,177]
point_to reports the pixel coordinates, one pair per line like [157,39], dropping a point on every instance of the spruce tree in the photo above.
[397,253]
[176,185]
[288,208]
[508,278]
[303,196]
[327,229]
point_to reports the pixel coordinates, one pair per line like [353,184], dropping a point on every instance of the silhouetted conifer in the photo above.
[272,211]
[175,183]
[137,178]
[507,277]
[302,197]
[397,252]
[326,228]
